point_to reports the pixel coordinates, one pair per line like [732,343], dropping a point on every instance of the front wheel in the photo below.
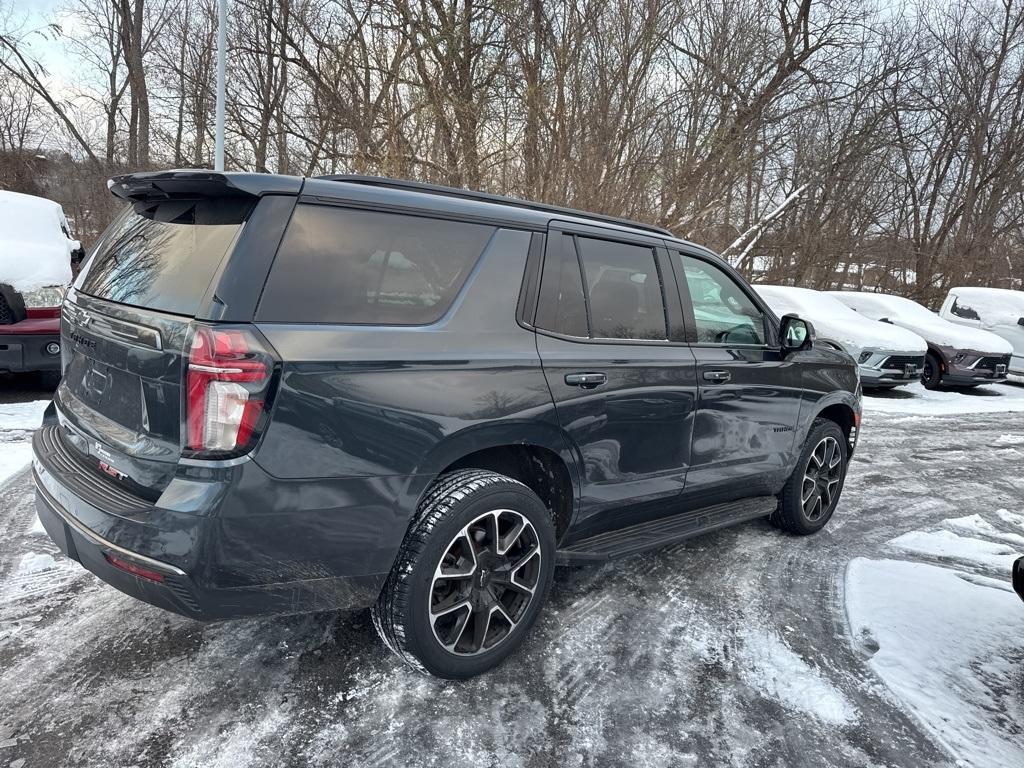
[471,577]
[931,374]
[811,494]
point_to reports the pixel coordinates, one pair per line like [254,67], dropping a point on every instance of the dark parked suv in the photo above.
[286,394]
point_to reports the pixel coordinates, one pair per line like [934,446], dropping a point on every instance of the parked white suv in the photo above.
[996,310]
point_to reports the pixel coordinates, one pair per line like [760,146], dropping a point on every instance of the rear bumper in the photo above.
[201,558]
[23,346]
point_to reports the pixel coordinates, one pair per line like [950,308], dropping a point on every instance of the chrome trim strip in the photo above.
[212,369]
[94,537]
[112,327]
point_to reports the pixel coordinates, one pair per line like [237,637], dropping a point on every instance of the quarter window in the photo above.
[339,265]
[562,308]
[722,311]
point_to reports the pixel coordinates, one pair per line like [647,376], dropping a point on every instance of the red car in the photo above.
[36,254]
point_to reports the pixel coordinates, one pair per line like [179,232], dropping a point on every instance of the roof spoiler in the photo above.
[192,184]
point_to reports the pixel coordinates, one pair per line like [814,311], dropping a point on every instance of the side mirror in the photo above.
[796,334]
[77,255]
[1020,321]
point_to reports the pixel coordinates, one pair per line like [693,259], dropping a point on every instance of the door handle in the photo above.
[585,380]
[719,377]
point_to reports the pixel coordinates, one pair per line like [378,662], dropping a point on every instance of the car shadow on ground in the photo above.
[975,391]
[890,394]
[992,390]
[24,387]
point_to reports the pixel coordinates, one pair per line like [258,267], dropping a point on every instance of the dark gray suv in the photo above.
[286,394]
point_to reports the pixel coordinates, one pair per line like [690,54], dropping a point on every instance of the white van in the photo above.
[997,310]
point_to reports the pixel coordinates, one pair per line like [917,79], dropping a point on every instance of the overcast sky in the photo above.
[35,15]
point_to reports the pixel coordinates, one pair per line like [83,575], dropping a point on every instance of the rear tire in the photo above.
[812,492]
[931,374]
[471,577]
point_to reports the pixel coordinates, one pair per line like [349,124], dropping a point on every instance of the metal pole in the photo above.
[222,55]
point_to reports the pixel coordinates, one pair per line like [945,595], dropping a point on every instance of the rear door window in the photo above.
[347,266]
[163,256]
[623,289]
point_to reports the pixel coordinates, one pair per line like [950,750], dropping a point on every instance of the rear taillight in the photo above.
[227,389]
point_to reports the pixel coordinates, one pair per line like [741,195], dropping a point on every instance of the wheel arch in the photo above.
[536,454]
[844,410]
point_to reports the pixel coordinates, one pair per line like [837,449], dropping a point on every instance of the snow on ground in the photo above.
[17,421]
[946,640]
[771,666]
[914,400]
[946,545]
[976,525]
[744,647]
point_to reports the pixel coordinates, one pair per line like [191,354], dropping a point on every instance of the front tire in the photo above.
[931,374]
[812,492]
[471,577]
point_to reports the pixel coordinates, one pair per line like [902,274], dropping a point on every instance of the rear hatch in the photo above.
[127,327]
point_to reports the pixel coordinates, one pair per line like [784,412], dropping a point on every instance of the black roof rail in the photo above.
[436,189]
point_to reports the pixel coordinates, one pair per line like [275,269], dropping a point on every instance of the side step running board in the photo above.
[665,530]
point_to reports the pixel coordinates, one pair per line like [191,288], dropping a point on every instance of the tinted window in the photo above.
[623,289]
[963,311]
[561,307]
[338,265]
[163,256]
[723,313]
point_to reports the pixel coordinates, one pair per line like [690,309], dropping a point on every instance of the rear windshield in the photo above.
[339,265]
[163,256]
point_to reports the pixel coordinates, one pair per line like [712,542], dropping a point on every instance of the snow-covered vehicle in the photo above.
[957,356]
[997,310]
[887,355]
[36,254]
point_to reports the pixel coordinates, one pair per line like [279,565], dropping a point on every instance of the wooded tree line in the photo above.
[821,142]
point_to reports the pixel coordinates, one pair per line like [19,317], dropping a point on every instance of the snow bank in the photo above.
[922,321]
[836,322]
[951,546]
[22,415]
[17,420]
[914,401]
[14,457]
[34,251]
[949,648]
[976,525]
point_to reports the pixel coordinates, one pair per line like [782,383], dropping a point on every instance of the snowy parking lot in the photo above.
[891,638]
